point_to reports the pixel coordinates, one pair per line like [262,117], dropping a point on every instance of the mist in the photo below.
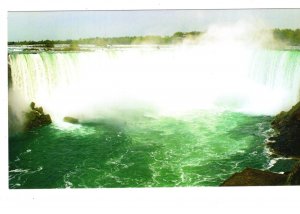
[229,68]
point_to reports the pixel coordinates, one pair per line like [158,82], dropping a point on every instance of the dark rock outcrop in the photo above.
[286,143]
[255,177]
[287,126]
[294,175]
[36,118]
[71,120]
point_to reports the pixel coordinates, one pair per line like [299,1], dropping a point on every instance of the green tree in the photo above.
[49,43]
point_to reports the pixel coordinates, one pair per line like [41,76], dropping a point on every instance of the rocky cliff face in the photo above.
[286,143]
[287,140]
[294,175]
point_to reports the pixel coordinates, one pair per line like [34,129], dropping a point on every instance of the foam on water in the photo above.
[173,116]
[171,80]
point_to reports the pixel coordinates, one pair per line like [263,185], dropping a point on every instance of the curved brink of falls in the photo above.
[172,80]
[200,148]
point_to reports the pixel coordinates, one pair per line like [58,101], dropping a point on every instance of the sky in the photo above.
[62,25]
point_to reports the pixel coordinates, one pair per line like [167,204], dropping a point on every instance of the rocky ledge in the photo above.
[255,177]
[287,127]
[286,142]
[36,118]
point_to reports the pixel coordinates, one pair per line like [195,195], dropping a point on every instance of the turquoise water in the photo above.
[200,149]
[122,97]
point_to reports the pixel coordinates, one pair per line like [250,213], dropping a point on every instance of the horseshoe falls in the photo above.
[168,116]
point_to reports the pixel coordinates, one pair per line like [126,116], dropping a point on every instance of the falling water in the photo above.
[173,116]
[171,80]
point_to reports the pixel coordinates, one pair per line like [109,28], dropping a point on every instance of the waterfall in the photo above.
[170,79]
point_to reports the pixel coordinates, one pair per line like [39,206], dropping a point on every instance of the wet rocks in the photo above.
[286,143]
[287,118]
[287,126]
[36,118]
[255,177]
[294,175]
[71,120]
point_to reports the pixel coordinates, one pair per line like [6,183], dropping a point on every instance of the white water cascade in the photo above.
[170,79]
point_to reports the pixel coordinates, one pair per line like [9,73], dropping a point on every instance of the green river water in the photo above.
[224,120]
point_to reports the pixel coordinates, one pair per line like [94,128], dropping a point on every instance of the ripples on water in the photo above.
[201,149]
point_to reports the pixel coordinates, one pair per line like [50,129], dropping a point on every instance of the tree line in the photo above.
[125,40]
[288,36]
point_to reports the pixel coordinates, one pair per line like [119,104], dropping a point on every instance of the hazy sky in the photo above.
[83,24]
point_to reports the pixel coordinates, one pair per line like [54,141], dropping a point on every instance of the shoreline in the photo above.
[286,144]
[286,124]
